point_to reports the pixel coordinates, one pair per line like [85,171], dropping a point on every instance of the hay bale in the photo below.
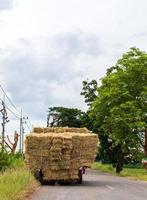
[38,130]
[60,152]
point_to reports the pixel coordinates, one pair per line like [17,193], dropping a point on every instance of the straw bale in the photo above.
[60,130]
[48,130]
[59,152]
[75,164]
[60,174]
[74,174]
[37,140]
[38,130]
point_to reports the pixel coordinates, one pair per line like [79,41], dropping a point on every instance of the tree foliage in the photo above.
[5,159]
[61,116]
[120,109]
[89,91]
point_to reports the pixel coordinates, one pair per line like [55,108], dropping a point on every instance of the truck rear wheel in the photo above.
[80,176]
[38,175]
[80,181]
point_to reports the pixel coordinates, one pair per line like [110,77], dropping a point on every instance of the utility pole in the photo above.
[4,121]
[23,132]
[20,132]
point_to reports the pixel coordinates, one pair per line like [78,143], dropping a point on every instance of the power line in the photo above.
[9,99]
[18,117]
[12,112]
[28,126]
[12,103]
[29,122]
[18,114]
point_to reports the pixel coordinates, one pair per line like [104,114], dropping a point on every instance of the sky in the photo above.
[48,47]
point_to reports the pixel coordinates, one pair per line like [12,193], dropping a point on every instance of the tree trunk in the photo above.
[119,166]
[145,144]
[16,136]
[119,159]
[12,146]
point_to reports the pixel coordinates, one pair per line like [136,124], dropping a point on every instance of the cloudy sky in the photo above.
[48,47]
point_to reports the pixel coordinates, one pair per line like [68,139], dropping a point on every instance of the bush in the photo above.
[5,159]
[8,160]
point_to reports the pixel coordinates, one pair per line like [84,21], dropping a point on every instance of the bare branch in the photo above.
[8,145]
[9,140]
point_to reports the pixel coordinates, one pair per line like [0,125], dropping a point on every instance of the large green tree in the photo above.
[120,108]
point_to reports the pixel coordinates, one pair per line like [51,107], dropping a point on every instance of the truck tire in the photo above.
[80,173]
[39,175]
[80,180]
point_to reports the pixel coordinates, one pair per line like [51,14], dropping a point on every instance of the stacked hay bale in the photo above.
[60,152]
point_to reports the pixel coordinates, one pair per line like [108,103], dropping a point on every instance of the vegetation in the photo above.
[5,160]
[119,110]
[61,116]
[89,91]
[106,151]
[14,183]
[15,179]
[135,172]
[9,160]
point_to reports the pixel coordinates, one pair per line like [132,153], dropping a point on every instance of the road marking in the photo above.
[109,187]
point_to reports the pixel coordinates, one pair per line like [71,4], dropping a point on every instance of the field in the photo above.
[138,173]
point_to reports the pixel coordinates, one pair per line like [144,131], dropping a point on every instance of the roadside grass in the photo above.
[17,163]
[131,172]
[15,183]
[103,167]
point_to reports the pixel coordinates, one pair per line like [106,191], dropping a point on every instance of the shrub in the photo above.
[8,160]
[5,159]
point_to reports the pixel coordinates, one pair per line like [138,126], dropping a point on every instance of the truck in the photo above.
[60,154]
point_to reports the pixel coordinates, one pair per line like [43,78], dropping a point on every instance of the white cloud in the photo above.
[49,71]
[115,19]
[47,48]
[6,4]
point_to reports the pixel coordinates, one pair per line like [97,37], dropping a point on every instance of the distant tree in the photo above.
[61,116]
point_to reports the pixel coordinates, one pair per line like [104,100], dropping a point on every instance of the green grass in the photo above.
[139,174]
[17,163]
[132,172]
[103,167]
[15,182]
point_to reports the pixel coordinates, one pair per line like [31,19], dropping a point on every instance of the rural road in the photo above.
[96,186]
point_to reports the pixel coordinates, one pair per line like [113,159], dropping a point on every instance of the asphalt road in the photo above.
[96,186]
